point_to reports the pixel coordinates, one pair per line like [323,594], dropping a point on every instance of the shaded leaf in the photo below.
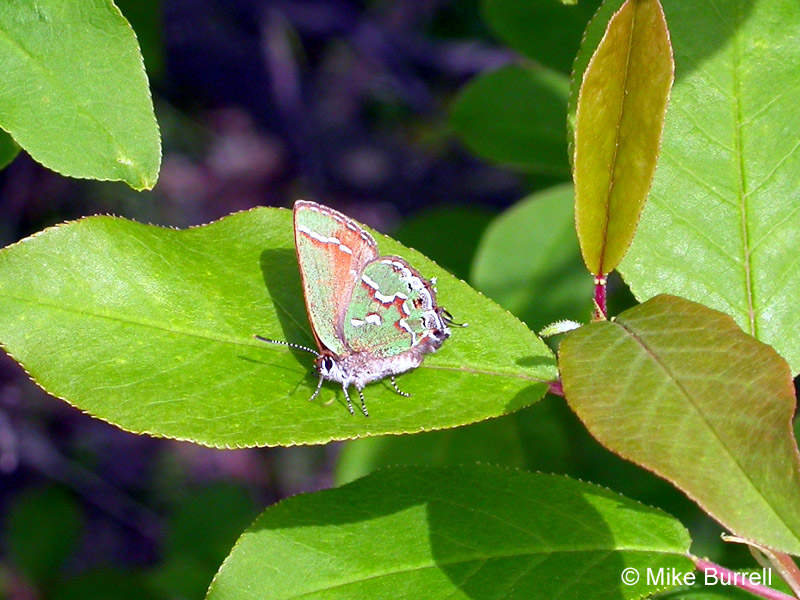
[8,149]
[540,29]
[722,226]
[679,389]
[152,329]
[619,118]
[468,532]
[529,261]
[515,116]
[448,234]
[75,94]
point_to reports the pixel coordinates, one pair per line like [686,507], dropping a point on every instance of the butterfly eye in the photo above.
[327,363]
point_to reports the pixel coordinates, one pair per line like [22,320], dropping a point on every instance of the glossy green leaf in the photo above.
[152,329]
[541,29]
[74,93]
[619,118]
[681,390]
[722,226]
[470,532]
[8,149]
[41,528]
[529,261]
[515,116]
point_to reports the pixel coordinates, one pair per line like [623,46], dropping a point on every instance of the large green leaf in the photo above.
[74,93]
[541,29]
[722,226]
[515,116]
[152,329]
[620,114]
[682,390]
[8,149]
[471,532]
[529,261]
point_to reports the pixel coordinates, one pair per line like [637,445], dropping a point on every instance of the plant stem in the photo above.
[766,557]
[754,588]
[787,568]
[555,388]
[600,308]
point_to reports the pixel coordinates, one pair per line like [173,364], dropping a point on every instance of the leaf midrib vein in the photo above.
[690,401]
[612,180]
[229,340]
[742,191]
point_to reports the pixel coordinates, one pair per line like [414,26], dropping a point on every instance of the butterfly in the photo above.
[372,316]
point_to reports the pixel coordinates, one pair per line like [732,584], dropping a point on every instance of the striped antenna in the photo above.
[290,344]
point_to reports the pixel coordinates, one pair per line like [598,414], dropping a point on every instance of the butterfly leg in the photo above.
[347,397]
[396,389]
[363,404]
[316,391]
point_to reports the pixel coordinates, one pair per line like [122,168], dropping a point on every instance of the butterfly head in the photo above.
[328,366]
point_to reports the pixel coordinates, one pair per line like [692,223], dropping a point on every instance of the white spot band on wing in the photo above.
[407,327]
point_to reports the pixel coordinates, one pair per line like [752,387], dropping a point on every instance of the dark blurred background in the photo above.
[262,102]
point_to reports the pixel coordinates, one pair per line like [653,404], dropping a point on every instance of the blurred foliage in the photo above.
[515,116]
[543,30]
[529,261]
[41,529]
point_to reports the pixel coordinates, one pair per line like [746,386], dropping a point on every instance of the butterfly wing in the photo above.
[392,310]
[332,251]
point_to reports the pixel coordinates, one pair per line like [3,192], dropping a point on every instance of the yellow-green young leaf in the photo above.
[74,92]
[456,533]
[620,115]
[681,390]
[152,329]
[722,225]
[8,149]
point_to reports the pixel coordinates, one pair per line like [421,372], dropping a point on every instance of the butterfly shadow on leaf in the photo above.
[282,279]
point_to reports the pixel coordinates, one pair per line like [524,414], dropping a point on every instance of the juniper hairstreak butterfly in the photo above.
[372,316]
